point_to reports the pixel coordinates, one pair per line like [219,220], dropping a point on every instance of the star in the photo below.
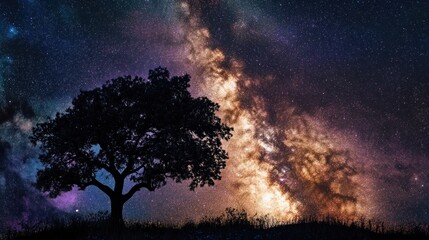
[12,32]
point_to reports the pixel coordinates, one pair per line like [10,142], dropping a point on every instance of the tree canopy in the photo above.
[140,130]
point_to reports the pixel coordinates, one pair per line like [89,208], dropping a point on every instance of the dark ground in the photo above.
[234,224]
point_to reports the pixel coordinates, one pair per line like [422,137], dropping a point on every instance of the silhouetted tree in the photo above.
[137,130]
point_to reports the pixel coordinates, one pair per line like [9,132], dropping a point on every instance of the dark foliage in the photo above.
[143,130]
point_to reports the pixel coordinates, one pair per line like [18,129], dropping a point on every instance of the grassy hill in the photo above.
[234,224]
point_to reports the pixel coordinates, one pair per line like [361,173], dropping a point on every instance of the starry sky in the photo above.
[329,100]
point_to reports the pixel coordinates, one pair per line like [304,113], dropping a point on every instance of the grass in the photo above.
[233,224]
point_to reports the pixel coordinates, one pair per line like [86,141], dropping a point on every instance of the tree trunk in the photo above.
[117,204]
[116,218]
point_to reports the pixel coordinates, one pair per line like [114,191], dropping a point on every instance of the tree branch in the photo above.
[136,169]
[135,189]
[111,158]
[107,190]
[129,169]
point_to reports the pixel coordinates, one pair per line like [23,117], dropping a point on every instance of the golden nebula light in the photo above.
[286,171]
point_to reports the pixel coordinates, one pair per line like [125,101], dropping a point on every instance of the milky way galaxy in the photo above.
[285,170]
[329,101]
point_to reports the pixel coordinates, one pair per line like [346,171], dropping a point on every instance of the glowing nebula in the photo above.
[285,170]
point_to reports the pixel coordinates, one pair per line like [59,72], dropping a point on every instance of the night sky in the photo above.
[329,100]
